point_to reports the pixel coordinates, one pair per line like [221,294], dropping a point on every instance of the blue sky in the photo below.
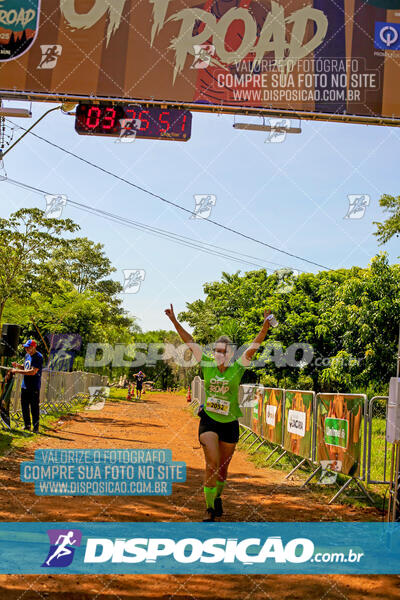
[292,195]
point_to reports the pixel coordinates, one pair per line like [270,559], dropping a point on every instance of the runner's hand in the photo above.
[266,314]
[170,313]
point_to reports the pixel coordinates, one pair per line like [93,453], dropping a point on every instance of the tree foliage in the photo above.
[27,240]
[390,227]
[53,283]
[349,317]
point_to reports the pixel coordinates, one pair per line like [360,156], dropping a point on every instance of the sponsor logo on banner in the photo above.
[19,26]
[387,36]
[270,414]
[62,547]
[336,432]
[296,422]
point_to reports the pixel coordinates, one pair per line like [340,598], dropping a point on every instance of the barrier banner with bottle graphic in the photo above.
[272,415]
[246,403]
[257,422]
[339,431]
[298,422]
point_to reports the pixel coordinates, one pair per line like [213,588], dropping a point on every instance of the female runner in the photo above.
[219,425]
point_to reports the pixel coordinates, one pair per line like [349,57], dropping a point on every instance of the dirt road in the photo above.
[162,421]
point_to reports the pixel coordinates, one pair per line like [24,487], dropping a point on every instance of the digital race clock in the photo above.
[124,120]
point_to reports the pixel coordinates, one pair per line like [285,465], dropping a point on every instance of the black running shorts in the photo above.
[227,432]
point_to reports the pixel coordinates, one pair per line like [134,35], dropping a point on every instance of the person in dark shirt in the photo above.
[140,377]
[30,389]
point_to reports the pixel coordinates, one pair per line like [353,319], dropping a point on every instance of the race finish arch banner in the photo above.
[336,60]
[299,411]
[339,431]
[272,415]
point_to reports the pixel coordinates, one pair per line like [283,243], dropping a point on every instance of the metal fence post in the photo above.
[370,422]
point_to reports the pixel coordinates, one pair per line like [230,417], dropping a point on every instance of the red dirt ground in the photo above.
[252,494]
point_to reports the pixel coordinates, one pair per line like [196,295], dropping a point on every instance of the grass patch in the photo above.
[378,451]
[350,496]
[17,438]
[120,394]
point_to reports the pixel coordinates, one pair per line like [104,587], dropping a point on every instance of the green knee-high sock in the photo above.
[210,493]
[220,487]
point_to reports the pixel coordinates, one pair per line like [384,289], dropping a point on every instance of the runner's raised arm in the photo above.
[184,335]
[258,340]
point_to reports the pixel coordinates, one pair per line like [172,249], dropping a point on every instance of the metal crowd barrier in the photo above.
[59,390]
[269,426]
[360,461]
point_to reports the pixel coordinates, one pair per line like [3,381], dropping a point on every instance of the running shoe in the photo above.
[210,515]
[218,507]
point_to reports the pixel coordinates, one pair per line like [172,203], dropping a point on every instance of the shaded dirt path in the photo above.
[162,421]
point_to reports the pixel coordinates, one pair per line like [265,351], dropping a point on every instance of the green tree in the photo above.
[164,371]
[84,263]
[67,311]
[390,227]
[27,239]
[348,317]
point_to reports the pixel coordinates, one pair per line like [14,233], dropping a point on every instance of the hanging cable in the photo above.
[174,237]
[150,193]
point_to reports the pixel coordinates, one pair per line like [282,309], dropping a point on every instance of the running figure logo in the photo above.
[54,205]
[203,206]
[132,280]
[358,204]
[202,55]
[278,132]
[50,55]
[129,128]
[329,478]
[97,397]
[61,553]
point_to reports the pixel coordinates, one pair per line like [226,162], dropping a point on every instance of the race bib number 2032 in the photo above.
[218,406]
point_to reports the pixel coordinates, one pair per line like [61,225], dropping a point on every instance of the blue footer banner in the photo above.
[200,548]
